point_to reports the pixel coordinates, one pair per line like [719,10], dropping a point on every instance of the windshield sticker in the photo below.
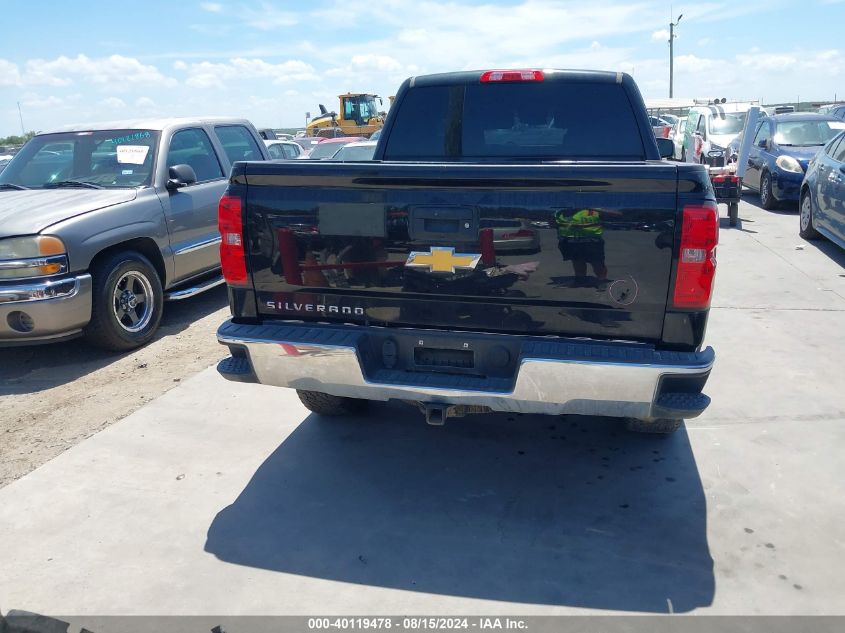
[137,136]
[127,172]
[836,125]
[132,154]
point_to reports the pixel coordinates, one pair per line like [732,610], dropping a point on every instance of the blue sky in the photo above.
[273,61]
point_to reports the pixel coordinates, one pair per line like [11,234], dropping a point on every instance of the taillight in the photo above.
[232,255]
[511,75]
[723,178]
[697,262]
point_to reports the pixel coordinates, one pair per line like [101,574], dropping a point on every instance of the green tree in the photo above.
[16,139]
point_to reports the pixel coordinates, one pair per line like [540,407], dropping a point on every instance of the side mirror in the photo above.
[180,176]
[666,147]
[764,144]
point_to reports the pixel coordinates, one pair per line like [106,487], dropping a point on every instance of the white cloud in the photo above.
[32,100]
[144,102]
[705,41]
[268,17]
[366,63]
[829,62]
[47,102]
[216,75]
[116,71]
[661,35]
[114,103]
[694,64]
[211,7]
[9,74]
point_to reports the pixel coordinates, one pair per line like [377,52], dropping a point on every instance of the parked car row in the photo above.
[784,158]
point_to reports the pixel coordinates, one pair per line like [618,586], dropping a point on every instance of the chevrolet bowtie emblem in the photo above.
[443,260]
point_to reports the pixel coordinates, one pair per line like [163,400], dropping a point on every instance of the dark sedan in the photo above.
[783,146]
[823,194]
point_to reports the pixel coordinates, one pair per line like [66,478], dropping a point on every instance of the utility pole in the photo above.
[23,131]
[672,26]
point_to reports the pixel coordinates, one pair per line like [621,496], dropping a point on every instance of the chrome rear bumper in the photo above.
[553,375]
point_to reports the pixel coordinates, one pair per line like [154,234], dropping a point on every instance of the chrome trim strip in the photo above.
[34,262]
[198,246]
[54,289]
[543,385]
[186,293]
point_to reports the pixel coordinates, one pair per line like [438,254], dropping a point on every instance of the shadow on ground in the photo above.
[530,509]
[783,208]
[70,360]
[833,251]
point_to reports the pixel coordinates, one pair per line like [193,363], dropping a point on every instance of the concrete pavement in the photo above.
[230,499]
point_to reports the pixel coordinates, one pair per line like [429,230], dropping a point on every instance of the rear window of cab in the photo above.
[548,120]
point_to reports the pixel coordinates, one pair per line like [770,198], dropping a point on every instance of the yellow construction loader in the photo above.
[358,116]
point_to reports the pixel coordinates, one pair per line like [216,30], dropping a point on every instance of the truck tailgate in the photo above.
[560,249]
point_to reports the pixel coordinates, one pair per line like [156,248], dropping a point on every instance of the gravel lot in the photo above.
[55,396]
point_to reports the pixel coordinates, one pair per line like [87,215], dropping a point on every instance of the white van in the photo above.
[709,130]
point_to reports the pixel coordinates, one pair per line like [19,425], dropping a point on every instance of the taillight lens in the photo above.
[511,75]
[721,179]
[697,262]
[232,255]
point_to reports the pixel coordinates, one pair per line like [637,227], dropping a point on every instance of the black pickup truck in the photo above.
[515,245]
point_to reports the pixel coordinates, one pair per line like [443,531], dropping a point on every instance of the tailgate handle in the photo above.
[436,223]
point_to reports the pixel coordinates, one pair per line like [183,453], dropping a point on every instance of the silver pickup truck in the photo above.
[99,225]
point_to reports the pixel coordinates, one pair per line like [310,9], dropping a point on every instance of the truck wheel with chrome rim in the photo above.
[127,302]
[658,426]
[806,228]
[325,404]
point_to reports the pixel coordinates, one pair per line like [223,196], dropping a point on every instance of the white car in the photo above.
[362,150]
[283,150]
[709,131]
[677,136]
[307,143]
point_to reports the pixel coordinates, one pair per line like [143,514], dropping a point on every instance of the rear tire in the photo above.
[328,405]
[660,426]
[805,227]
[767,198]
[127,302]
[733,213]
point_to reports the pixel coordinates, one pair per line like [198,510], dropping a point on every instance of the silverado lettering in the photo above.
[312,307]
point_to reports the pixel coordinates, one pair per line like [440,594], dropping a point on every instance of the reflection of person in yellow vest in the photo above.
[579,238]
